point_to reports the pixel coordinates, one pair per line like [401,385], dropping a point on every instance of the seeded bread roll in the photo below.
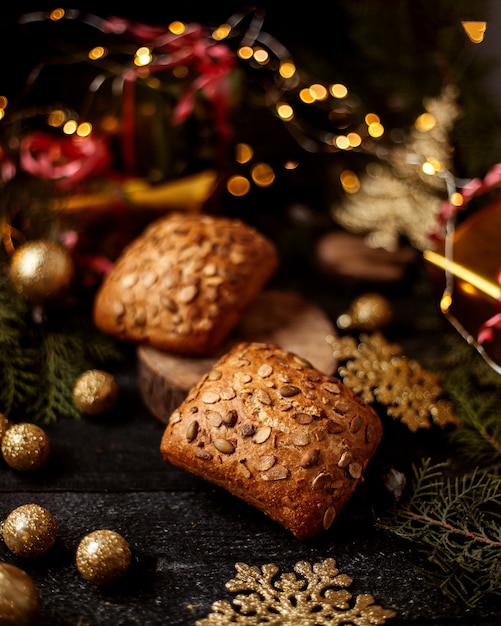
[185,282]
[276,432]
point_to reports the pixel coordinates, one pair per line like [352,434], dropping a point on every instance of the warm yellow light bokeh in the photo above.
[338,90]
[84,129]
[456,199]
[57,14]
[56,118]
[342,142]
[425,122]
[221,32]
[143,56]
[306,96]
[70,127]
[475,30]
[318,92]
[177,28]
[243,153]
[261,56]
[354,139]
[375,130]
[349,181]
[97,53]
[285,111]
[287,69]
[245,52]
[263,175]
[238,185]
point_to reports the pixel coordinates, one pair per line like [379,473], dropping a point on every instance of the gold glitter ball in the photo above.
[19,598]
[370,311]
[25,446]
[29,531]
[95,392]
[103,557]
[41,270]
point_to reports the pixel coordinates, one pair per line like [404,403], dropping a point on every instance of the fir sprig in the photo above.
[474,389]
[16,363]
[456,522]
[478,441]
[40,361]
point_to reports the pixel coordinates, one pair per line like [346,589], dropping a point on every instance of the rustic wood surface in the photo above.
[284,318]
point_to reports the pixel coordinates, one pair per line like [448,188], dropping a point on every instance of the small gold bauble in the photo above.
[25,446]
[29,531]
[41,270]
[370,311]
[103,557]
[4,425]
[95,392]
[19,598]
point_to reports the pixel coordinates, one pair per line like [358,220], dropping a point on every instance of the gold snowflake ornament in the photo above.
[318,597]
[377,371]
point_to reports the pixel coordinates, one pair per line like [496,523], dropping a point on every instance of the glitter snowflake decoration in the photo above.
[378,371]
[317,597]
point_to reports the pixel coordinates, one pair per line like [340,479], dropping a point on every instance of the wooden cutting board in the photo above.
[280,317]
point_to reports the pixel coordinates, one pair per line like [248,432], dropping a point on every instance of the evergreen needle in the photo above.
[456,522]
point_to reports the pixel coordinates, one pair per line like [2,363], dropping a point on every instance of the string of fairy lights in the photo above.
[262,51]
[287,91]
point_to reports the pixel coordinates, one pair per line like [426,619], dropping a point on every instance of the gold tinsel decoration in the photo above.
[318,596]
[378,371]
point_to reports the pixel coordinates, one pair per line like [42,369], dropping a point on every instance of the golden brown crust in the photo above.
[271,429]
[184,283]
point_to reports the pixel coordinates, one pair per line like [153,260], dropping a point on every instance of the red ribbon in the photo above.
[474,188]
[486,331]
[64,160]
[212,62]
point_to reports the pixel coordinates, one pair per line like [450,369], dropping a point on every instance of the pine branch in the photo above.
[59,367]
[63,354]
[456,523]
[478,441]
[39,362]
[15,362]
[474,390]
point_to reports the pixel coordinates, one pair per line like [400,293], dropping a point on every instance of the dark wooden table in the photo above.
[186,535]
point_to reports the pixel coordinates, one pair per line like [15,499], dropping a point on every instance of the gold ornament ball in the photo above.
[41,270]
[25,446]
[103,557]
[370,311]
[29,531]
[95,392]
[19,598]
